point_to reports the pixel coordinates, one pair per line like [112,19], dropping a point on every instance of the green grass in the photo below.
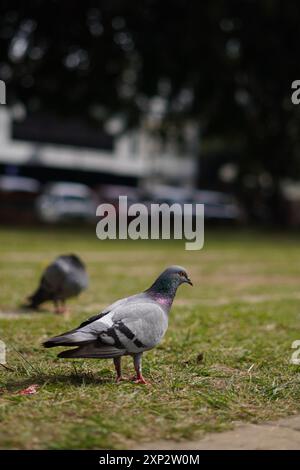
[225,357]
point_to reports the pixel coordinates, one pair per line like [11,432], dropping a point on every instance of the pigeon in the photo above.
[129,326]
[65,277]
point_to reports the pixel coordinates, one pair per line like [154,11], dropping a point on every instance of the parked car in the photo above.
[17,199]
[219,206]
[163,194]
[66,202]
[110,193]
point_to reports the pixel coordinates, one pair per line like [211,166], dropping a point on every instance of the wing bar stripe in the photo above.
[125,330]
[111,332]
[138,343]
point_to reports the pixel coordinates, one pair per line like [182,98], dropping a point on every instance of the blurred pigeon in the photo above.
[129,326]
[65,277]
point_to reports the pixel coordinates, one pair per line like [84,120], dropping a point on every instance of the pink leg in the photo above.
[60,307]
[138,379]
[117,363]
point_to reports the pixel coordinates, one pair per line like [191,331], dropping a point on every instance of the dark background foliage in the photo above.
[227,64]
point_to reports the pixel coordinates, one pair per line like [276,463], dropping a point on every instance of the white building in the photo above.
[135,154]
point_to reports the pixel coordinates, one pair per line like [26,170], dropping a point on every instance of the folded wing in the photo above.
[129,327]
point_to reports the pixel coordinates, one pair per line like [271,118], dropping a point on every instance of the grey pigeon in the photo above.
[129,326]
[65,277]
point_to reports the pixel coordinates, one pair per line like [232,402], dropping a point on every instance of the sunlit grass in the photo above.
[224,359]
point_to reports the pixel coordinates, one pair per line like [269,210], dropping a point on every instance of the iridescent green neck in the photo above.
[163,290]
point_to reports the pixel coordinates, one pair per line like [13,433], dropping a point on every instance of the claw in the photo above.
[141,380]
[133,378]
[120,379]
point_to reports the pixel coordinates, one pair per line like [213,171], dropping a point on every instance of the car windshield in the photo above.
[74,198]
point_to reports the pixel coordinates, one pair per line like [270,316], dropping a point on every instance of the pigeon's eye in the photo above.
[182,274]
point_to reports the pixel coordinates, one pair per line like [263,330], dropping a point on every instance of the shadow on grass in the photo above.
[72,379]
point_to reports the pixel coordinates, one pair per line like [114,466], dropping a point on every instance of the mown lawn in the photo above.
[225,358]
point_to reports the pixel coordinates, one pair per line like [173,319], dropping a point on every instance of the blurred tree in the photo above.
[228,65]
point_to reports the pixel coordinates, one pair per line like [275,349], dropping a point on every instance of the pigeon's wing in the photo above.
[88,338]
[138,327]
[126,330]
[75,271]
[112,307]
[53,277]
[134,327]
[104,312]
[88,330]
[92,350]
[73,260]
[50,282]
[130,326]
[64,278]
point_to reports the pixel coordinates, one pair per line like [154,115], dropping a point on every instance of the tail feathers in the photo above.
[52,343]
[38,297]
[74,338]
[92,350]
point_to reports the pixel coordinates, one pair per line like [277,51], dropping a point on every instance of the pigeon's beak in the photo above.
[189,281]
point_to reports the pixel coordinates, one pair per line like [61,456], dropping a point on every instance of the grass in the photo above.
[225,358]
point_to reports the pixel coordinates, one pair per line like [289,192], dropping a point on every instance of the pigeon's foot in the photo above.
[120,379]
[139,380]
[61,310]
[60,307]
[133,378]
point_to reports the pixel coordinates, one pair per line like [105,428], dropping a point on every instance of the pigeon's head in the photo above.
[177,275]
[170,280]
